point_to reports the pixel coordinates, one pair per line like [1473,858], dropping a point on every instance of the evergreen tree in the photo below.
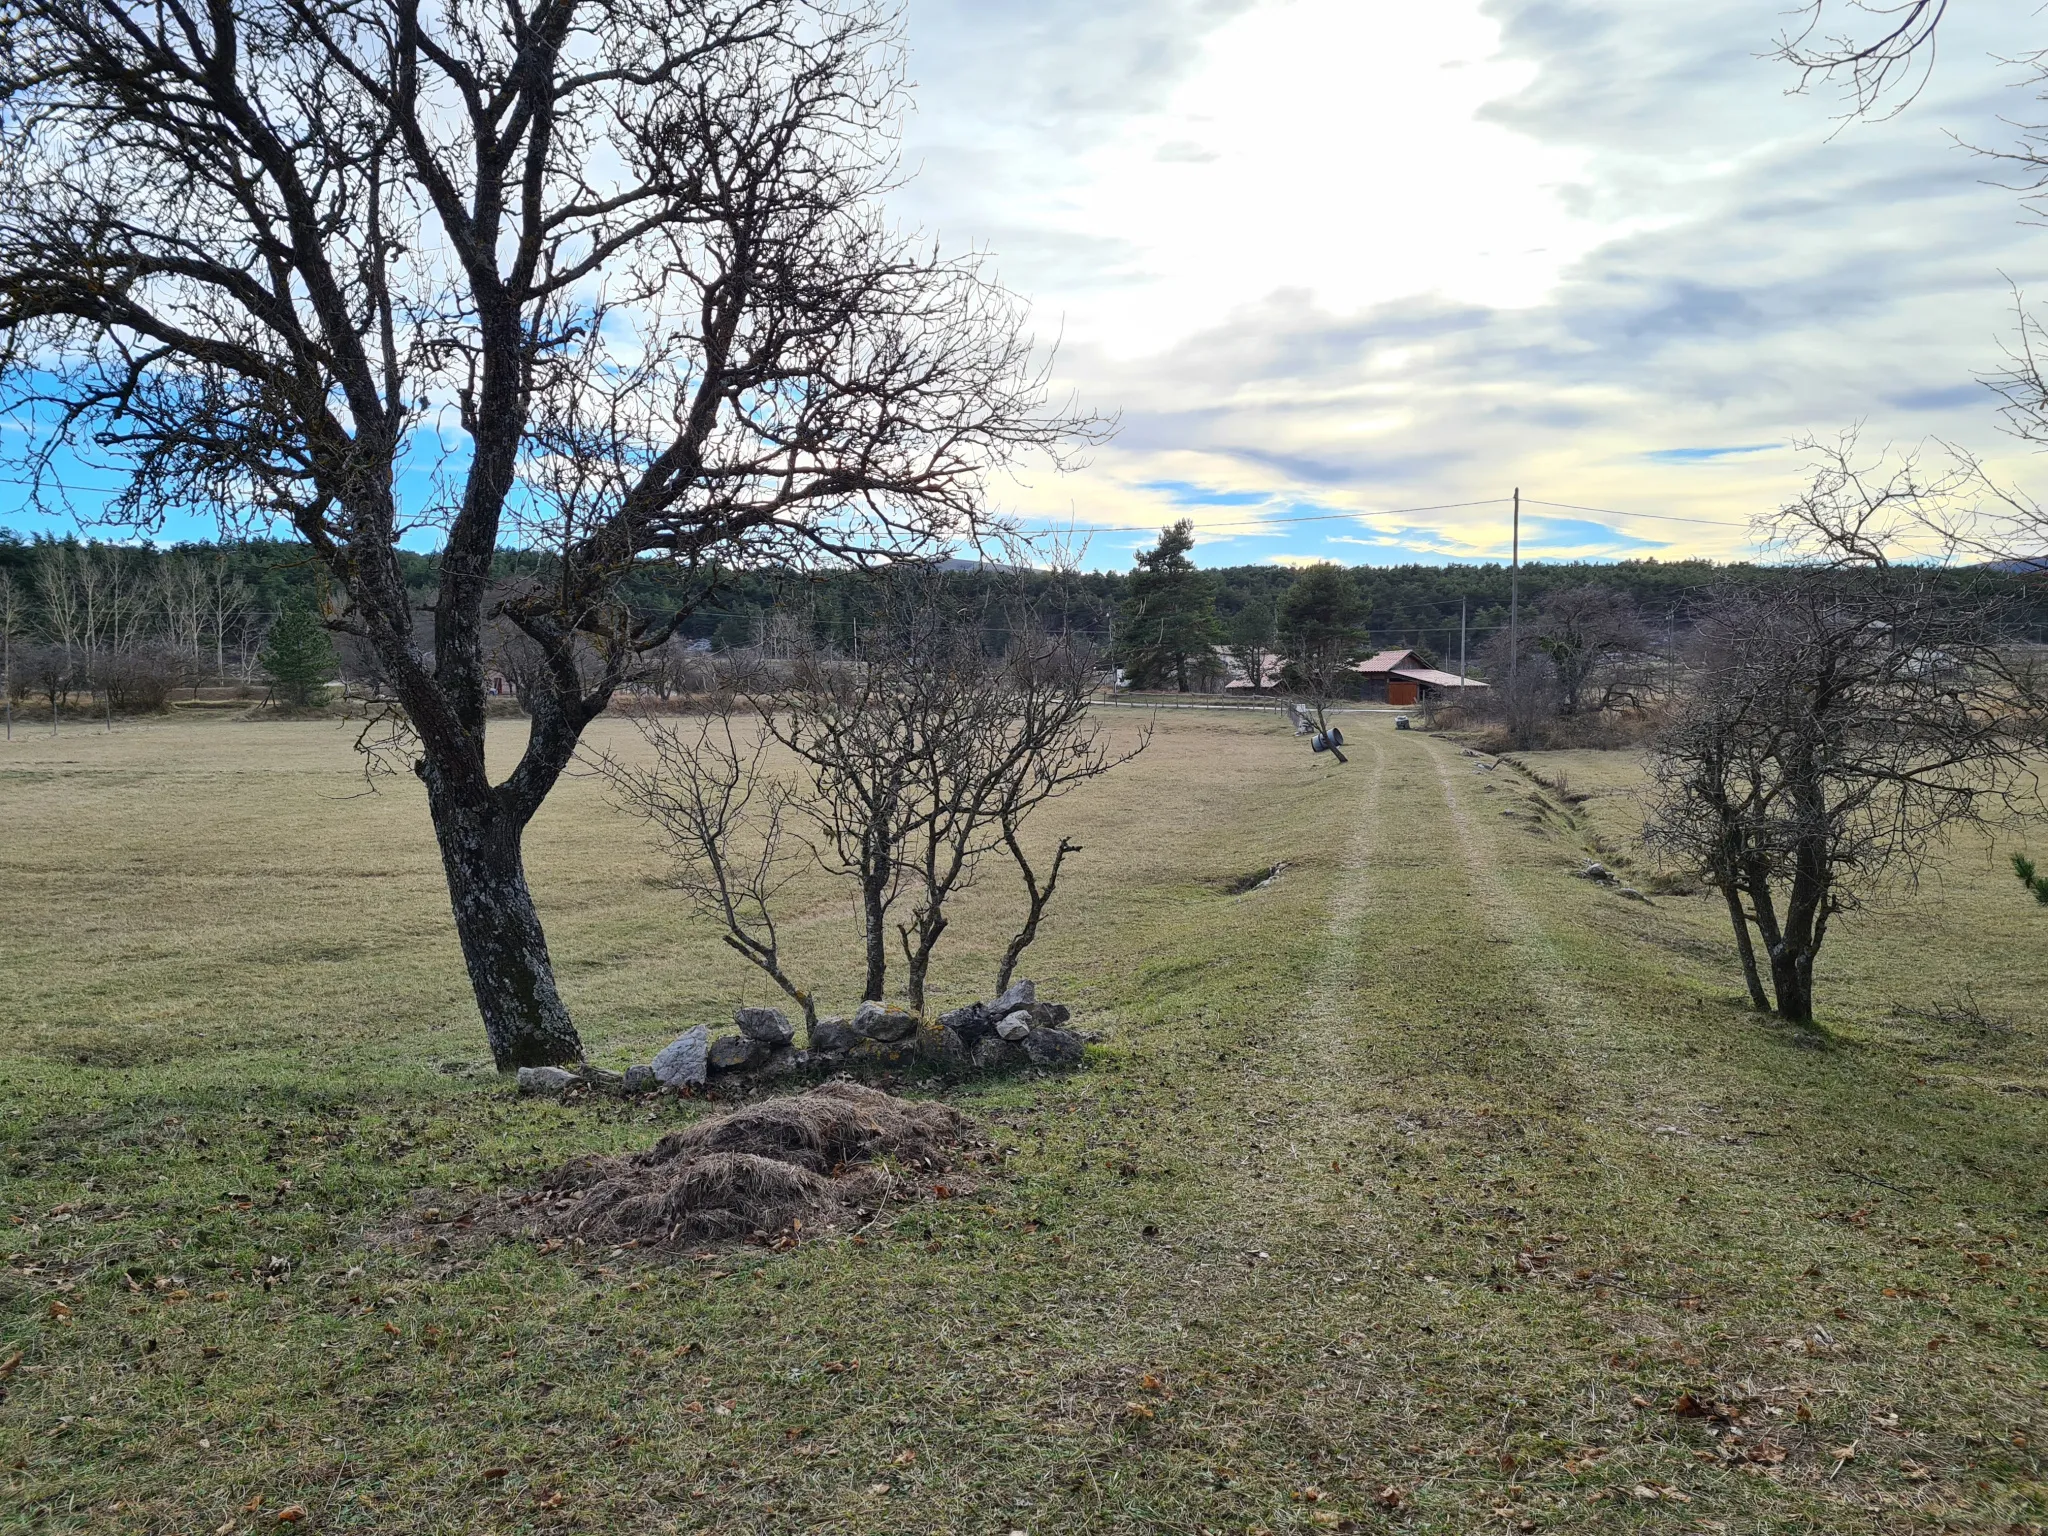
[299,657]
[1169,617]
[1322,630]
[1249,639]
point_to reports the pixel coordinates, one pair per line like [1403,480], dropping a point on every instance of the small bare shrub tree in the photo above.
[1832,733]
[912,766]
[726,824]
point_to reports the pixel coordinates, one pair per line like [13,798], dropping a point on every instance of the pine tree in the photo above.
[1169,619]
[1322,631]
[299,658]
[2037,883]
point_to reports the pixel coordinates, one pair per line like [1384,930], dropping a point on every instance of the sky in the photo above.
[1348,272]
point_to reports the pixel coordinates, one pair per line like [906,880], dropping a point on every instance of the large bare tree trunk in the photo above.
[502,943]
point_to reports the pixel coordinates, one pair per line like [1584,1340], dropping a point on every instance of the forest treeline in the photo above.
[211,605]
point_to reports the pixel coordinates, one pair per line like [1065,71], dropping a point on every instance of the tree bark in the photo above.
[1757,998]
[875,914]
[502,943]
[1792,980]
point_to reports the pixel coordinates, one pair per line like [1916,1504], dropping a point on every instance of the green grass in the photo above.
[1409,1193]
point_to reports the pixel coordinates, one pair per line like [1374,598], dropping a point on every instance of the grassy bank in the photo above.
[1426,1188]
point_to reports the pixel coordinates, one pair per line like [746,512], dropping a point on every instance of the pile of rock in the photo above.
[1010,1030]
[1600,874]
[1014,1029]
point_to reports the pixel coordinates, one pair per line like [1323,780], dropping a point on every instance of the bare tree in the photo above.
[629,254]
[725,822]
[1835,730]
[1593,636]
[1886,60]
[13,627]
[1248,640]
[1872,510]
[851,730]
[914,765]
[57,598]
[1059,749]
[998,736]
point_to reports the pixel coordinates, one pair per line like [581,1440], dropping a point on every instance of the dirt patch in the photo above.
[816,1158]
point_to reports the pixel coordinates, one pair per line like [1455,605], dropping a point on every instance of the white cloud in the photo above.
[1366,255]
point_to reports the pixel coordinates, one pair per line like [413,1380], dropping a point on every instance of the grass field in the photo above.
[1426,1189]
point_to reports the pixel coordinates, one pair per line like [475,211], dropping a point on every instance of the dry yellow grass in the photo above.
[1421,1190]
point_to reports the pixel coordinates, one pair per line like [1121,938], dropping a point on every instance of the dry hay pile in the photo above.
[812,1159]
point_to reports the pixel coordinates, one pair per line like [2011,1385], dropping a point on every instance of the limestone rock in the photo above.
[1630,893]
[880,1021]
[551,1081]
[943,1044]
[833,1036]
[641,1080]
[770,1026]
[782,1061]
[1050,1015]
[971,1023]
[1021,994]
[604,1082]
[684,1060]
[735,1053]
[993,1052]
[1053,1047]
[883,1053]
[1015,1026]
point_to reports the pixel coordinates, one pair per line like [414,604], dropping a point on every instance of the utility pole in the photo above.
[1515,616]
[1461,650]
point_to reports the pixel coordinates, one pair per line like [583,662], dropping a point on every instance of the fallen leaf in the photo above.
[904,1458]
[492,1474]
[253,1505]
[1137,1410]
[878,1489]
[1150,1383]
[1310,1495]
[1389,1497]
[1844,1452]
[291,1514]
[1914,1472]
